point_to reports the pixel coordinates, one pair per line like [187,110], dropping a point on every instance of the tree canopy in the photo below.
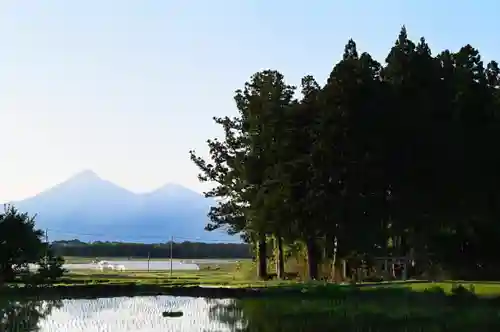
[184,250]
[384,159]
[20,245]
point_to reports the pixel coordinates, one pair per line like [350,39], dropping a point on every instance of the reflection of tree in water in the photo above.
[264,315]
[227,312]
[292,314]
[24,315]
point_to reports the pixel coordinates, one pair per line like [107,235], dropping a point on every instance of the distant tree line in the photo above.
[189,250]
[392,159]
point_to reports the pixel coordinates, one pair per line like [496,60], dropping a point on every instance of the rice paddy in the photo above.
[285,305]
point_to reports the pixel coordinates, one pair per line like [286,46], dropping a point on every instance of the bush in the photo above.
[50,269]
[373,278]
[459,290]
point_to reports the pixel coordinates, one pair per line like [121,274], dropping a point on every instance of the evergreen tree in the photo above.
[384,160]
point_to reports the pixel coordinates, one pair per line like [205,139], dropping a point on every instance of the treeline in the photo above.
[189,250]
[385,159]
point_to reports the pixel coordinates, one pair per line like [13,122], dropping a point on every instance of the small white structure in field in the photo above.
[120,267]
[102,265]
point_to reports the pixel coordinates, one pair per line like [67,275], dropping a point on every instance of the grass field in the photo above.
[210,274]
[178,278]
[227,275]
[481,288]
[225,278]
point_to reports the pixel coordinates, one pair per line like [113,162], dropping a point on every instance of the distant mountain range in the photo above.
[88,208]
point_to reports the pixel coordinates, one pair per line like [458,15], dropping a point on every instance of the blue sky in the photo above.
[126,88]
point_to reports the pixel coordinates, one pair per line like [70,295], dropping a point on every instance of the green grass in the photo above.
[212,274]
[480,288]
[223,277]
[227,277]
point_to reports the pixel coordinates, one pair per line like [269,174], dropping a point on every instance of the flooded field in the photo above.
[138,314]
[135,265]
[145,314]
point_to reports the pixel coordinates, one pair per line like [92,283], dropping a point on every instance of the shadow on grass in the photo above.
[126,276]
[381,295]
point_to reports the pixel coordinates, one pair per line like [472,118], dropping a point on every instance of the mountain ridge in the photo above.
[88,175]
[86,204]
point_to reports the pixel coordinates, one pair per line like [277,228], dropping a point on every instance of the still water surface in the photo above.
[144,314]
[138,314]
[135,265]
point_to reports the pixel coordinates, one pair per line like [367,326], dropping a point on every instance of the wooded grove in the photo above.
[187,250]
[384,159]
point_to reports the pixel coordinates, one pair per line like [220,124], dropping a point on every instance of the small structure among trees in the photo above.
[395,268]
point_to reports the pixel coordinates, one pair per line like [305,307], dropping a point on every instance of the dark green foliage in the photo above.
[24,315]
[391,159]
[189,250]
[20,242]
[50,268]
[460,291]
[21,245]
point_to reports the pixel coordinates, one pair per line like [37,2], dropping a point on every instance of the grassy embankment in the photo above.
[228,275]
[214,275]
[225,278]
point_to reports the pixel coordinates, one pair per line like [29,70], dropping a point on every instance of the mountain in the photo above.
[89,208]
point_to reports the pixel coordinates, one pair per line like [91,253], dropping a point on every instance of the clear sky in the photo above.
[127,87]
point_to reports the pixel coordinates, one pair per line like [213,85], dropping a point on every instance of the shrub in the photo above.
[50,269]
[460,291]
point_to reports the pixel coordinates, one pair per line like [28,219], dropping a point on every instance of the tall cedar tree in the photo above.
[244,163]
[391,160]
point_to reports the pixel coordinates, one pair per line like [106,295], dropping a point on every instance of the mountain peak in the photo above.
[175,189]
[87,204]
[86,175]
[172,186]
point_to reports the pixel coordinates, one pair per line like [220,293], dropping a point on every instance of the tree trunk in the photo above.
[335,262]
[312,259]
[262,257]
[280,262]
[7,273]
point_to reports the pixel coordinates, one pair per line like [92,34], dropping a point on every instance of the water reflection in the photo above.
[229,313]
[119,314]
[287,315]
[24,315]
[266,315]
[141,314]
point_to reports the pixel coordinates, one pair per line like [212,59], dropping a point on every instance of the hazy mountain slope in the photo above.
[89,208]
